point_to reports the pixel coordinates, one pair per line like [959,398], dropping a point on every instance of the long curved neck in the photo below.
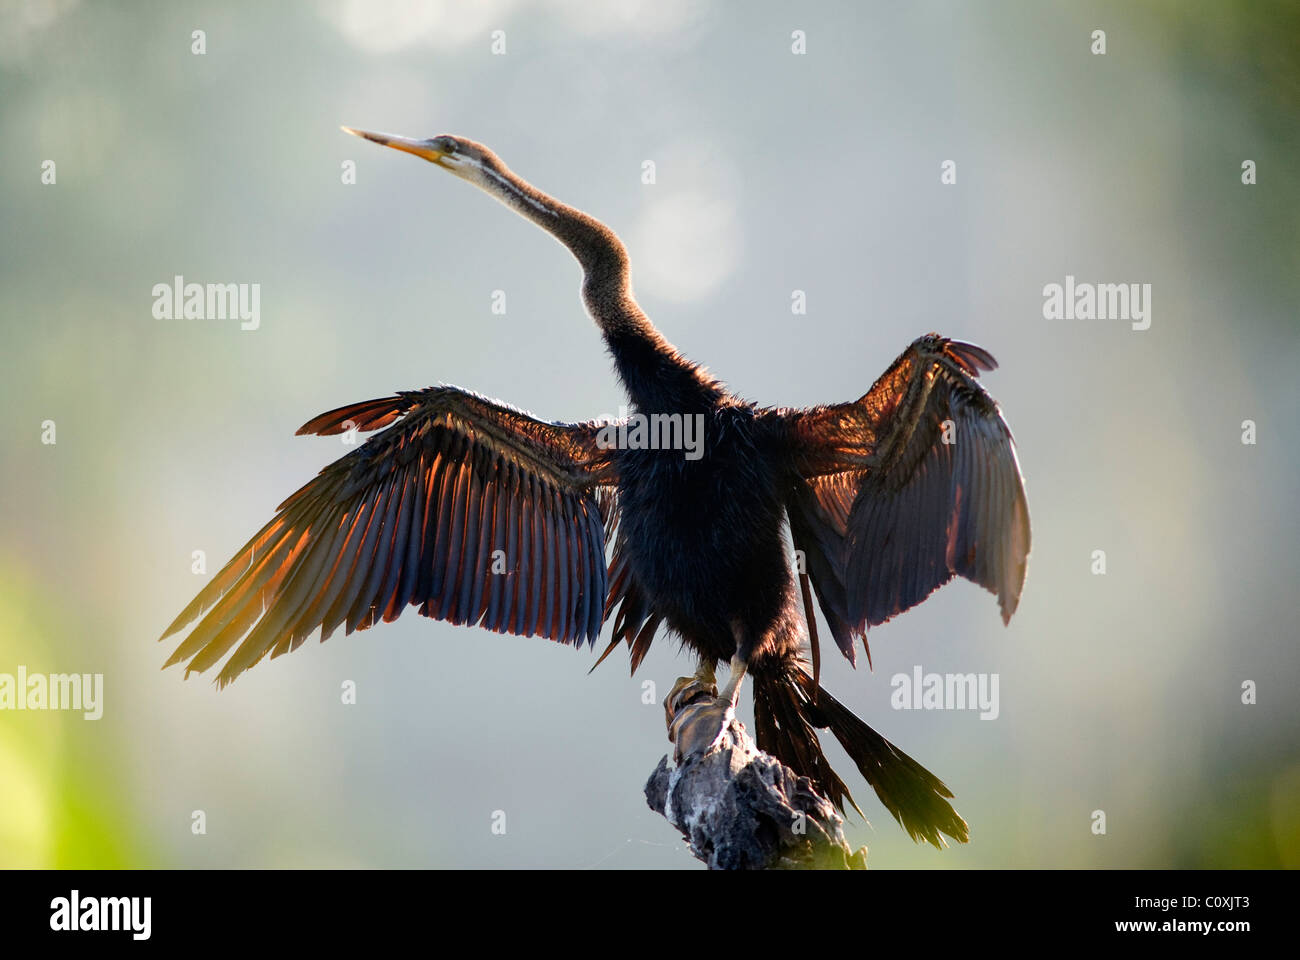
[655,374]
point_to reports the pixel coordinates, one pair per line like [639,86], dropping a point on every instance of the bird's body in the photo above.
[705,538]
[478,513]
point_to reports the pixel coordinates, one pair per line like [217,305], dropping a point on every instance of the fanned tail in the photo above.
[786,721]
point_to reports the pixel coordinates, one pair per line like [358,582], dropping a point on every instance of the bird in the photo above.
[479,513]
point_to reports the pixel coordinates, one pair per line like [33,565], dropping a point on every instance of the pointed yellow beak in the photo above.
[421,148]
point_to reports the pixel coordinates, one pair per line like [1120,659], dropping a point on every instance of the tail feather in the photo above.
[782,730]
[785,716]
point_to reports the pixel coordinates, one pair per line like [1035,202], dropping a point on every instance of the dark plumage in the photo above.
[478,513]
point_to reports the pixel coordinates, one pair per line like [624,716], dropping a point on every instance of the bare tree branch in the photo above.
[739,808]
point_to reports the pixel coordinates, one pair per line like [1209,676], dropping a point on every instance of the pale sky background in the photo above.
[775,172]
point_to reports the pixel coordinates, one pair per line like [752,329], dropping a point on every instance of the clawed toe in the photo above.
[698,724]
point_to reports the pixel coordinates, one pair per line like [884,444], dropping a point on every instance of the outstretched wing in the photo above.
[478,512]
[901,490]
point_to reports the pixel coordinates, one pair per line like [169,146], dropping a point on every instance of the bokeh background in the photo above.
[774,172]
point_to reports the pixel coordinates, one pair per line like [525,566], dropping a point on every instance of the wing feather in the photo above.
[419,515]
[913,484]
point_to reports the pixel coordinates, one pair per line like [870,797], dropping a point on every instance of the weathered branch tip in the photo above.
[739,808]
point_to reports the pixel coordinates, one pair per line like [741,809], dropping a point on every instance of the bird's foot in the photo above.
[697,717]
